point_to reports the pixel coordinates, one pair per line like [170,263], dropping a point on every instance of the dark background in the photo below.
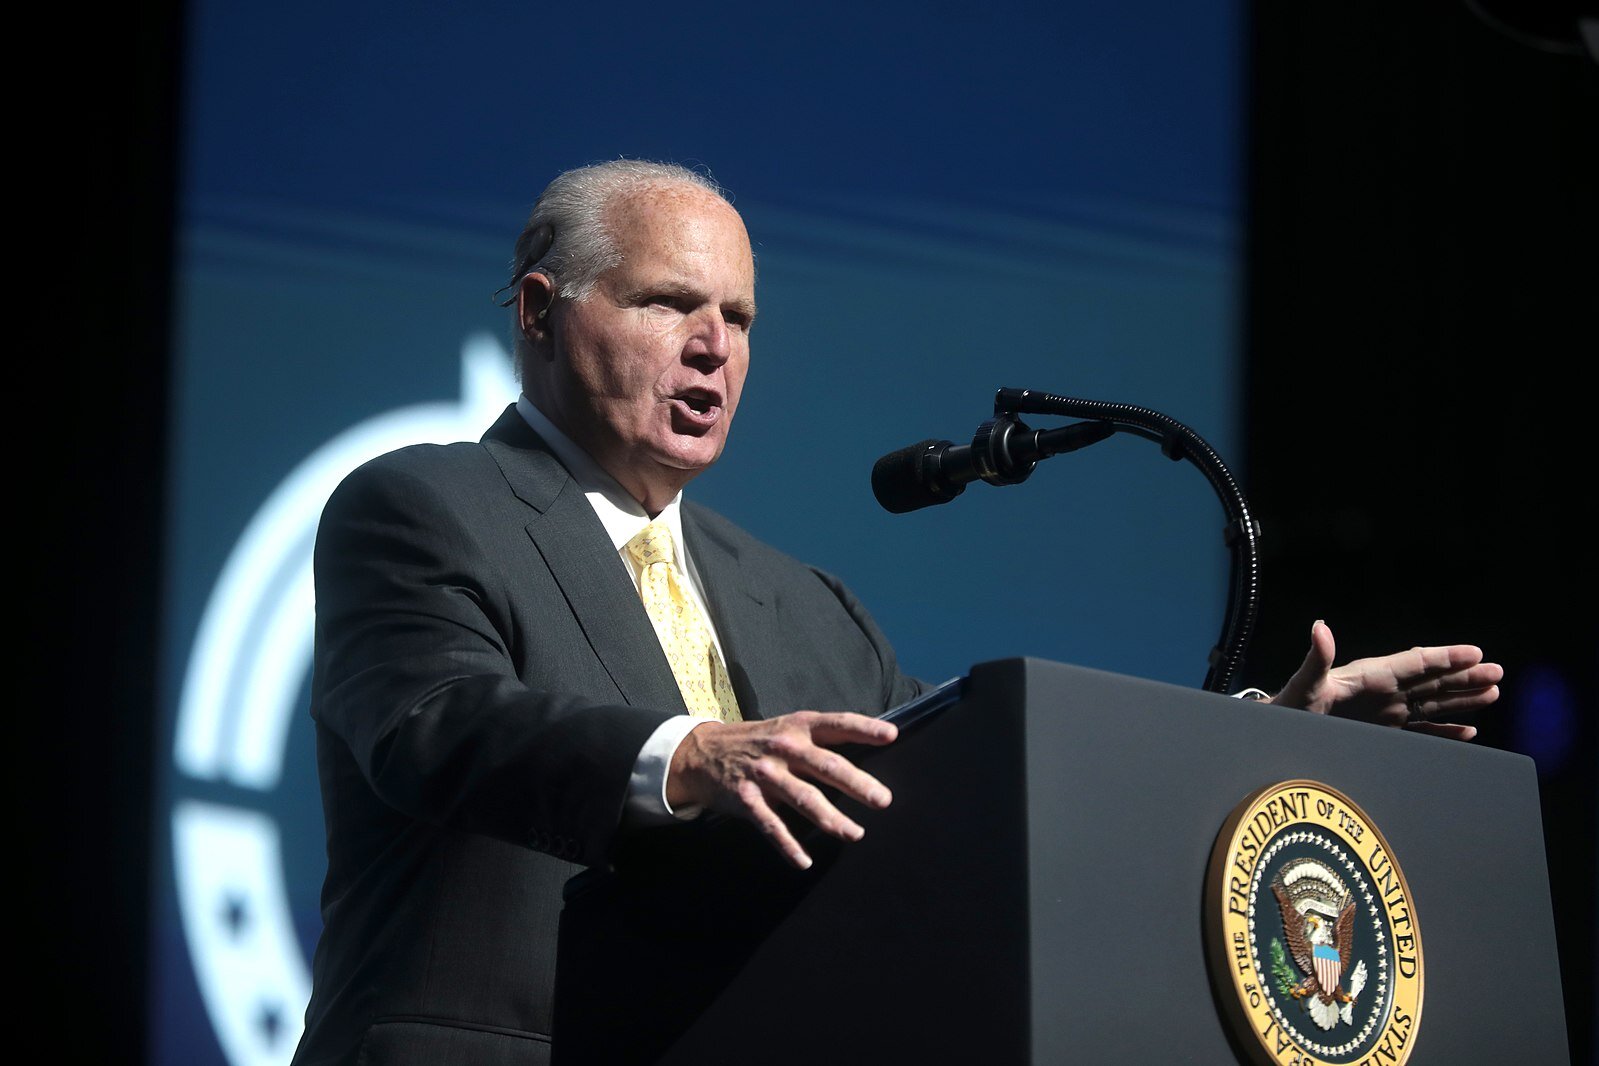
[1424,227]
[1421,310]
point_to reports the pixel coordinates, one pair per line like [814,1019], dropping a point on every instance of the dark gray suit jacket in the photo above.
[484,678]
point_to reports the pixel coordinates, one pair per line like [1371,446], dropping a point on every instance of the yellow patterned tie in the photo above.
[684,634]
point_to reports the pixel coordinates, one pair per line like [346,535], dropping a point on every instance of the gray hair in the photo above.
[567,237]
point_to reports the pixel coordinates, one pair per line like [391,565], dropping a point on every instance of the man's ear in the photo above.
[535,294]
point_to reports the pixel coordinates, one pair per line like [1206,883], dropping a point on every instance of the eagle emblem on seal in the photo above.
[1319,924]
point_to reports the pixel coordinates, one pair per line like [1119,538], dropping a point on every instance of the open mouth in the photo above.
[701,406]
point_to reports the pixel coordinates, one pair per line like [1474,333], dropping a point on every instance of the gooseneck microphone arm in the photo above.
[1004,452]
[1177,441]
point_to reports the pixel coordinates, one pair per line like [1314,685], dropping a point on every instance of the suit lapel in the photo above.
[568,535]
[744,609]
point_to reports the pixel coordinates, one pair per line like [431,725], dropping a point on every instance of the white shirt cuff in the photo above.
[646,788]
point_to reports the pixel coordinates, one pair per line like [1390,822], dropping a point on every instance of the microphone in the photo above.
[1003,452]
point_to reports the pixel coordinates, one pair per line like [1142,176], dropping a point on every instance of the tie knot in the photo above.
[652,544]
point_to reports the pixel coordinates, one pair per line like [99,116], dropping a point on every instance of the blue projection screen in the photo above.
[943,201]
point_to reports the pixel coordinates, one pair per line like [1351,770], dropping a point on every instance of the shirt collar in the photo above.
[620,514]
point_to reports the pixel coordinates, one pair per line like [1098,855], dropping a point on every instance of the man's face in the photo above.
[645,373]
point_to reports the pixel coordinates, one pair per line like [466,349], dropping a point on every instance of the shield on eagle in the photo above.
[1329,970]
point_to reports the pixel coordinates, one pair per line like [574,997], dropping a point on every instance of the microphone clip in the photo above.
[1004,450]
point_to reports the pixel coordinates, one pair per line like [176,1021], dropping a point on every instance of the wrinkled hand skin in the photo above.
[749,769]
[1438,683]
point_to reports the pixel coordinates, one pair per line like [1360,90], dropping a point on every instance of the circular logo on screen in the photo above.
[1311,931]
[250,658]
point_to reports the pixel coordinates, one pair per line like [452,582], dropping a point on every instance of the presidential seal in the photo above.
[1311,932]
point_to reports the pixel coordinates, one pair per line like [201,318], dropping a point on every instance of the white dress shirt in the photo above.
[623,517]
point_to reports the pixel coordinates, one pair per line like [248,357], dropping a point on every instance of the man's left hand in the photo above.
[1414,689]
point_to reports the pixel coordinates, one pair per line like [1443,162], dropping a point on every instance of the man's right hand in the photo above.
[747,769]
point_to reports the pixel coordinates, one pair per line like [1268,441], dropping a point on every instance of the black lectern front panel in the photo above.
[1139,777]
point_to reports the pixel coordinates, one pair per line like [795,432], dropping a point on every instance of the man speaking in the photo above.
[529,646]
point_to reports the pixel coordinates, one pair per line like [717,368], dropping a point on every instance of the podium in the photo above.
[1037,894]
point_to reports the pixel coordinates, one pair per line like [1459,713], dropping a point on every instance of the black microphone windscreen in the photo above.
[897,482]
